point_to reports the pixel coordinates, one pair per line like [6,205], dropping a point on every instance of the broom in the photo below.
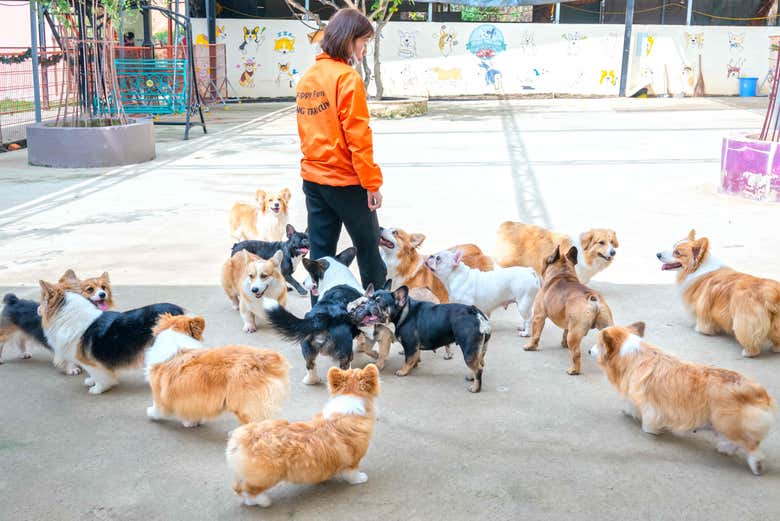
[698,89]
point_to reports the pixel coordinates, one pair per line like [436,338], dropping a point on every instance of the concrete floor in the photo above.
[535,444]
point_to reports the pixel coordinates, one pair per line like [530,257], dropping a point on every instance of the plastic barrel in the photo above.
[747,86]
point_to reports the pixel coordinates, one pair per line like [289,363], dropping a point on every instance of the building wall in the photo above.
[451,59]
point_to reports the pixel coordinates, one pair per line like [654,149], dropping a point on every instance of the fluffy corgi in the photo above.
[260,455]
[21,325]
[406,266]
[101,342]
[571,305]
[265,221]
[723,300]
[487,290]
[665,393]
[519,244]
[247,279]
[195,385]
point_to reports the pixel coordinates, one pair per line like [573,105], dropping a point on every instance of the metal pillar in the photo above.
[146,15]
[689,14]
[44,70]
[626,46]
[430,11]
[211,20]
[558,13]
[34,50]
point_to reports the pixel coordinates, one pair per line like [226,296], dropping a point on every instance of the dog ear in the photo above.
[316,268]
[613,239]
[278,258]
[607,338]
[388,284]
[457,258]
[370,290]
[289,230]
[104,277]
[47,289]
[572,255]
[638,328]
[69,276]
[416,239]
[347,256]
[586,239]
[698,250]
[692,235]
[369,380]
[285,194]
[197,325]
[554,257]
[260,196]
[336,379]
[401,295]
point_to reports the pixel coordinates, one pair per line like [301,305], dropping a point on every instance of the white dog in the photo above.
[487,290]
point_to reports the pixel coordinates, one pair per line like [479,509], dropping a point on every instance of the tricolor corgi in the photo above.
[665,393]
[193,384]
[101,342]
[260,455]
[723,300]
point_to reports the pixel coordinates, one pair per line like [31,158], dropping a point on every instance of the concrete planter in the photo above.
[394,108]
[84,147]
[750,168]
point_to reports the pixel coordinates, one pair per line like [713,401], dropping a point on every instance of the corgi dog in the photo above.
[519,244]
[571,305]
[101,342]
[260,455]
[247,279]
[487,290]
[194,385]
[665,393]
[406,266]
[723,300]
[20,323]
[265,221]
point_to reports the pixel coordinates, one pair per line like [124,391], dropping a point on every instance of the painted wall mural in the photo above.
[434,59]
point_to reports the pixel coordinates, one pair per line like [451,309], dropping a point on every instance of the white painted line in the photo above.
[115,171]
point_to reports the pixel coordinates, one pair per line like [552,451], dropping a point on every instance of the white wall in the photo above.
[538,58]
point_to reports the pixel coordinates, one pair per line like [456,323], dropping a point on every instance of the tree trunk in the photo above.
[366,73]
[377,69]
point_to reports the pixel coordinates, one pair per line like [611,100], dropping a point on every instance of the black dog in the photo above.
[21,315]
[294,248]
[327,328]
[425,326]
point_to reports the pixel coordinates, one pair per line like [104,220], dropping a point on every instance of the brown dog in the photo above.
[519,244]
[571,305]
[265,221]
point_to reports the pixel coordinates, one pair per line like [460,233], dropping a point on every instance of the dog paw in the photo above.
[153,413]
[756,464]
[73,370]
[249,328]
[98,389]
[726,448]
[357,478]
[190,424]
[260,500]
[522,332]
[312,379]
[234,306]
[747,354]
[530,347]
[89,381]
[401,373]
[25,356]
[572,372]
[303,293]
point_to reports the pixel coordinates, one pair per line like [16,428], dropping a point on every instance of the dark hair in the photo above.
[342,30]
[130,34]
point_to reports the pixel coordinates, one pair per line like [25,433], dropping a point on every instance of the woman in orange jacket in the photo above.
[340,179]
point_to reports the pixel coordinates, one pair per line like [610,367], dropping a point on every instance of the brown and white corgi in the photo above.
[723,300]
[21,325]
[260,455]
[247,279]
[665,393]
[406,266]
[194,385]
[265,221]
[519,244]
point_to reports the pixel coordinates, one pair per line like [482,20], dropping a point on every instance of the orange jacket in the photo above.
[336,140]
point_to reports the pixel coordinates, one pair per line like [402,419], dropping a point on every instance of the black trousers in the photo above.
[331,206]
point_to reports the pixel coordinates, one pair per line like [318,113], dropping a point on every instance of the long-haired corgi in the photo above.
[265,221]
[519,244]
[665,393]
[101,342]
[260,455]
[723,300]
[570,304]
[247,279]
[21,325]
[406,266]
[195,385]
